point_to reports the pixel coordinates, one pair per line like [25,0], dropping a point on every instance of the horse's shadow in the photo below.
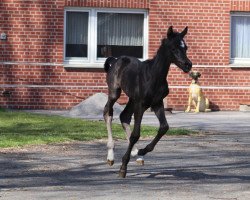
[189,175]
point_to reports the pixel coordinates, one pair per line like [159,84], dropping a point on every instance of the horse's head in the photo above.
[178,49]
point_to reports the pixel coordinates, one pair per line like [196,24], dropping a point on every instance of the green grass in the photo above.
[21,128]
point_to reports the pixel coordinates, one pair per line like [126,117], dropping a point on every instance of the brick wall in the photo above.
[240,5]
[109,3]
[48,87]
[34,29]
[32,74]
[208,22]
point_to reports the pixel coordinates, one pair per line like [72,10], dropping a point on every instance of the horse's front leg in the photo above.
[159,112]
[135,135]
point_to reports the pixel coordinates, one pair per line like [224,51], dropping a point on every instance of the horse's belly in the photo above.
[159,95]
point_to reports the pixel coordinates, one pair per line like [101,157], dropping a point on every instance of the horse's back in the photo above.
[128,62]
[124,67]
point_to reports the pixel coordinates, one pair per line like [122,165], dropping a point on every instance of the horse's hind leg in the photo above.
[159,112]
[125,118]
[135,135]
[108,117]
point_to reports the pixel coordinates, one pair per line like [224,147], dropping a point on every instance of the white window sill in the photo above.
[98,64]
[84,65]
[239,65]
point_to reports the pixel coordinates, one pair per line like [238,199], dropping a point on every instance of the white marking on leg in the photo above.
[110,143]
[140,160]
[110,156]
[134,151]
[127,129]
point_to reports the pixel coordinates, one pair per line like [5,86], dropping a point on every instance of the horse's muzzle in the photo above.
[187,67]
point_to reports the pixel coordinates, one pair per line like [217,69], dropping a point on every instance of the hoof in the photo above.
[110,162]
[140,162]
[122,173]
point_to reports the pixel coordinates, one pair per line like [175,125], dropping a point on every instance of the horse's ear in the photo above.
[184,32]
[170,32]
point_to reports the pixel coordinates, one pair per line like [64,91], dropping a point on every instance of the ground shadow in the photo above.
[87,167]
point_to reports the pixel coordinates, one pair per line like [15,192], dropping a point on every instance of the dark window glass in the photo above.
[119,34]
[77,34]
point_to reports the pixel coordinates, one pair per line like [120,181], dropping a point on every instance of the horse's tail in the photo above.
[108,63]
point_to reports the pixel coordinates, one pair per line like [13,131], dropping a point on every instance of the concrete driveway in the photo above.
[222,121]
[211,165]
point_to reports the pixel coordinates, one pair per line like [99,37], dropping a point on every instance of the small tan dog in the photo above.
[196,95]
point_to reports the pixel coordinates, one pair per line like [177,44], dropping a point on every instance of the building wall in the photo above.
[32,74]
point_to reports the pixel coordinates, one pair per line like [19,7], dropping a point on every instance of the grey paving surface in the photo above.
[214,165]
[222,121]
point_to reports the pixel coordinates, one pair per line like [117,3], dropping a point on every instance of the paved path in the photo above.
[213,166]
[223,121]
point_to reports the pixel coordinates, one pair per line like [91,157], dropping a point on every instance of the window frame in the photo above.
[75,59]
[237,61]
[92,61]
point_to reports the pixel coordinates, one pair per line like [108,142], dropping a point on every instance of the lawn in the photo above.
[21,128]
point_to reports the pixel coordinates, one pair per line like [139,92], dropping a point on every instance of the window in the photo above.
[240,38]
[119,34]
[91,35]
[77,35]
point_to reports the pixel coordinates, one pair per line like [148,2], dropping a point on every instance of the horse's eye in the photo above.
[174,49]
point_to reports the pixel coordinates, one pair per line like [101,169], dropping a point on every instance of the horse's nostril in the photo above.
[189,64]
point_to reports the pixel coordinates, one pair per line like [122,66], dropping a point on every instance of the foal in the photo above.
[146,86]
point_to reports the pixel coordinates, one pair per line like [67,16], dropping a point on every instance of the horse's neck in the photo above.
[161,65]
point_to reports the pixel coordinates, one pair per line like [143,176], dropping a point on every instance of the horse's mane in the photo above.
[149,61]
